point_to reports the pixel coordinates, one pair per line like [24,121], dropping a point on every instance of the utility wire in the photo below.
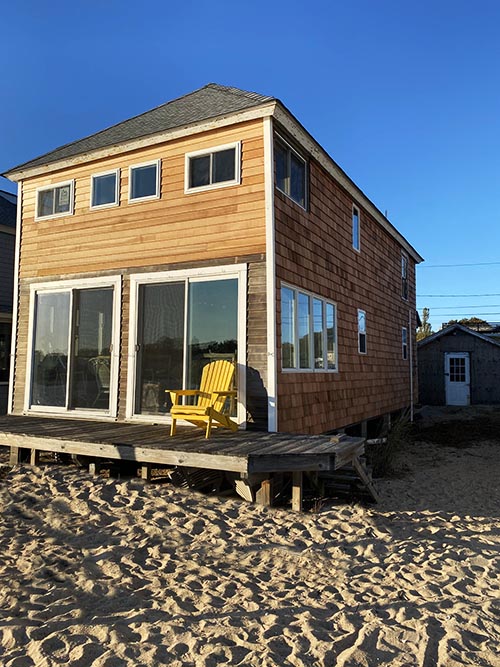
[447,266]
[455,308]
[451,296]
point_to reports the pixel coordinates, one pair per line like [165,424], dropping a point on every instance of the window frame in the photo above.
[325,302]
[54,186]
[210,151]
[404,343]
[362,333]
[404,277]
[134,200]
[116,202]
[356,240]
[279,139]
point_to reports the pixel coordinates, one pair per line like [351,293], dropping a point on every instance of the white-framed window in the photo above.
[104,189]
[291,172]
[404,342]
[355,228]
[181,320]
[211,168]
[361,331]
[404,277]
[308,331]
[73,346]
[55,201]
[144,181]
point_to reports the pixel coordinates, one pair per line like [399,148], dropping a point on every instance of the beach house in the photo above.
[211,227]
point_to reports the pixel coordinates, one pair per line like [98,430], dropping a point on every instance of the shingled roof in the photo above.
[7,211]
[208,102]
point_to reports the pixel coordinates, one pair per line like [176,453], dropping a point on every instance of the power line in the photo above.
[451,296]
[464,314]
[476,305]
[447,266]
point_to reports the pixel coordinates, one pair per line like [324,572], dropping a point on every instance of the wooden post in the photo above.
[364,428]
[15,456]
[146,472]
[297,489]
[94,468]
[35,457]
[265,493]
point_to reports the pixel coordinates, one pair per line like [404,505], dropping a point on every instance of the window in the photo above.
[104,189]
[404,277]
[361,332]
[404,339]
[355,228]
[290,172]
[308,332]
[55,201]
[75,329]
[144,181]
[5,333]
[213,168]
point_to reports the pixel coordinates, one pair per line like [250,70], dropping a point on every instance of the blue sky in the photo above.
[404,96]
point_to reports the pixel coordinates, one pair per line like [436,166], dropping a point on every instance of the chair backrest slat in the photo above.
[216,376]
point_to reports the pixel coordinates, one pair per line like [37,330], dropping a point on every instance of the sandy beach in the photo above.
[112,573]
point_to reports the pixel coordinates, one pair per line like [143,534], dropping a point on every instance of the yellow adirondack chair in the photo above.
[215,388]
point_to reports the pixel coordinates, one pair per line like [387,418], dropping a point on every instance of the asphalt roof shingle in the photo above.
[7,212]
[208,102]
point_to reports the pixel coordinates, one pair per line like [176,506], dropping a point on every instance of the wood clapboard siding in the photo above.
[177,227]
[314,252]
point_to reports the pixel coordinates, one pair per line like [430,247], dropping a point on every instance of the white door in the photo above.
[457,378]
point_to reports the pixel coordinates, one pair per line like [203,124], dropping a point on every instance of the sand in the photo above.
[112,573]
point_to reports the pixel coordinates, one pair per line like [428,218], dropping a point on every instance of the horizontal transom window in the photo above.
[55,200]
[308,331]
[213,168]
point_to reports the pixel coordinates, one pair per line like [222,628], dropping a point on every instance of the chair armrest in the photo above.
[175,394]
[225,393]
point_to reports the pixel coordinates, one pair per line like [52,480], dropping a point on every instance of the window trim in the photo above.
[69,286]
[404,343]
[53,186]
[305,207]
[357,247]
[362,333]
[325,301]
[210,151]
[133,200]
[116,202]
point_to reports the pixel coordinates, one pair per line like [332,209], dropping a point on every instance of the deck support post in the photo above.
[35,457]
[94,467]
[146,472]
[264,495]
[297,490]
[15,456]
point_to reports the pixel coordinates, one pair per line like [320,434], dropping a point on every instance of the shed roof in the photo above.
[7,211]
[457,327]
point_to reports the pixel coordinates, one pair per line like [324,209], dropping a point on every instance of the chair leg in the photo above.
[172,427]
[209,428]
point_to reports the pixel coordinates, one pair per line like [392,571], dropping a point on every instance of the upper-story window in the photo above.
[144,181]
[104,189]
[355,228]
[55,200]
[213,168]
[290,172]
[404,277]
[361,331]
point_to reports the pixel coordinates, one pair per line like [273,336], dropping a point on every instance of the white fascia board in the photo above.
[150,140]
[304,139]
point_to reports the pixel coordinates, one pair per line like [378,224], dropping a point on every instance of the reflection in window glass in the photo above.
[304,332]
[318,325]
[362,331]
[199,171]
[54,201]
[330,337]
[290,172]
[212,168]
[144,181]
[104,189]
[287,328]
[223,166]
[355,228]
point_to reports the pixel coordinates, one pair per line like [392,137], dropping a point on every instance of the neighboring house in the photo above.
[7,249]
[458,366]
[213,226]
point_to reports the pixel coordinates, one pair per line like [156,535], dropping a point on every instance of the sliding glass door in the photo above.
[72,349]
[182,326]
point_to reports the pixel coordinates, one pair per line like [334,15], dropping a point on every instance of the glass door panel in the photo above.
[160,345]
[50,350]
[212,327]
[91,348]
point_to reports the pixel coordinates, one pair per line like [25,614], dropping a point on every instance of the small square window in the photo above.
[355,228]
[362,331]
[55,201]
[144,181]
[290,172]
[104,189]
[215,168]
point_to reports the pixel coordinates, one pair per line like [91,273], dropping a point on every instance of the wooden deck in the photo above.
[248,453]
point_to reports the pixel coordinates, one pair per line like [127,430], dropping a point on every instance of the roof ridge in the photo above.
[238,91]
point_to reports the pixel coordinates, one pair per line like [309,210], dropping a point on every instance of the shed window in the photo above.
[213,168]
[362,331]
[56,200]
[308,332]
[290,172]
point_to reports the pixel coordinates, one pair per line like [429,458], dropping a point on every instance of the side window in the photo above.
[213,168]
[104,189]
[144,181]
[404,342]
[290,172]
[361,331]
[404,277]
[55,201]
[355,228]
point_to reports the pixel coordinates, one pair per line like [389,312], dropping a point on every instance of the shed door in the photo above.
[457,378]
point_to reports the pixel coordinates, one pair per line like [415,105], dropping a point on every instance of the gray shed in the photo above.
[458,366]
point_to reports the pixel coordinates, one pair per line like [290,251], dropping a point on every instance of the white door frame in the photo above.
[457,393]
